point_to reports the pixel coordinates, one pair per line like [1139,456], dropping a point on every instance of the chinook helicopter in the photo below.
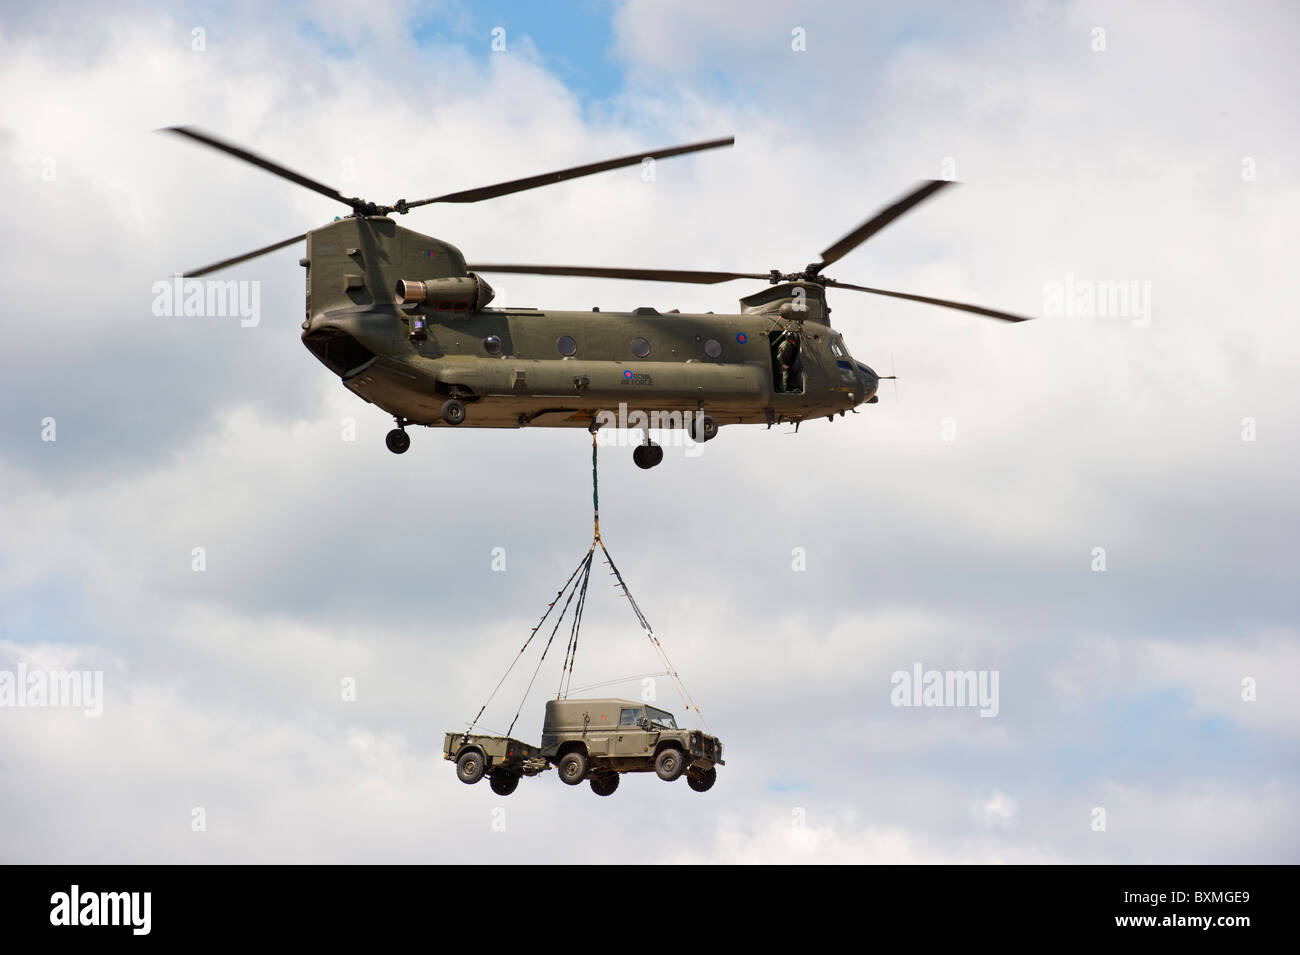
[406,324]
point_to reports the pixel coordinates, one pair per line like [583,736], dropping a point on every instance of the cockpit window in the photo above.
[837,348]
[661,718]
[629,717]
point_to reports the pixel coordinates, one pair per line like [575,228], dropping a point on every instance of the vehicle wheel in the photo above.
[605,784]
[572,768]
[398,441]
[453,411]
[470,766]
[503,783]
[702,780]
[670,764]
[640,458]
[704,428]
[656,455]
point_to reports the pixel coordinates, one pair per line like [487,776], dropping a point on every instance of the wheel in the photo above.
[704,428]
[470,766]
[573,768]
[702,780]
[503,783]
[398,441]
[453,411]
[605,784]
[670,764]
[655,454]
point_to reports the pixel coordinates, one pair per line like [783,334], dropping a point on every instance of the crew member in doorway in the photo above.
[787,355]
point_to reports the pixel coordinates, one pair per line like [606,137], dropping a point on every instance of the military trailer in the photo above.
[502,759]
[596,740]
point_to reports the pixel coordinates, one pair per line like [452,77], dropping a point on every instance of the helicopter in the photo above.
[406,323]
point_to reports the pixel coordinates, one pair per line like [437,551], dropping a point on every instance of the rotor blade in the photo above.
[943,302]
[243,258]
[208,140]
[881,219]
[646,275]
[547,178]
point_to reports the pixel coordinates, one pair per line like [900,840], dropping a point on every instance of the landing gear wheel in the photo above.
[702,780]
[453,411]
[503,783]
[604,785]
[647,455]
[670,764]
[470,767]
[398,441]
[704,428]
[572,768]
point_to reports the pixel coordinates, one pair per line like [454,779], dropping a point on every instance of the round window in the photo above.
[713,348]
[567,346]
[640,347]
[492,345]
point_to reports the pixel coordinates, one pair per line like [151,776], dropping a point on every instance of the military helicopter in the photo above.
[406,325]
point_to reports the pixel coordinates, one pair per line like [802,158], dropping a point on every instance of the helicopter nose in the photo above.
[870,382]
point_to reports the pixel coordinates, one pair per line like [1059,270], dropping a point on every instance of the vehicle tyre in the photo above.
[470,766]
[572,768]
[605,784]
[670,764]
[702,780]
[453,411]
[640,457]
[704,428]
[656,455]
[398,441]
[503,783]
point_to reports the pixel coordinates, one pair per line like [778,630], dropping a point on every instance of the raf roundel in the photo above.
[741,337]
[628,373]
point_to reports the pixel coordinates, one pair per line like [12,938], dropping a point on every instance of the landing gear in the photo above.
[647,455]
[453,411]
[704,427]
[398,441]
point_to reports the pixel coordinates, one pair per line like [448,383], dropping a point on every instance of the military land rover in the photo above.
[597,740]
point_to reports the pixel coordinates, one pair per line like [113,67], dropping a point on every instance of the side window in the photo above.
[629,717]
[566,346]
[836,348]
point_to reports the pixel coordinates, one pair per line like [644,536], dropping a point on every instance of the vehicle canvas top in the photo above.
[575,716]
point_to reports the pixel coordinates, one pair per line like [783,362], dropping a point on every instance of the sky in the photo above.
[1096,509]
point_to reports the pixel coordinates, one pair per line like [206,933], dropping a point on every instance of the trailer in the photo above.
[502,759]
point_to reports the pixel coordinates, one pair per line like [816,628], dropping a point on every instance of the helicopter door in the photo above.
[787,363]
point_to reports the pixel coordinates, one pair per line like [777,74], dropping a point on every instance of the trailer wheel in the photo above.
[572,768]
[702,780]
[604,785]
[670,764]
[470,766]
[503,783]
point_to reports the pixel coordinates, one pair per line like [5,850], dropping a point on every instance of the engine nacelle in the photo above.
[460,295]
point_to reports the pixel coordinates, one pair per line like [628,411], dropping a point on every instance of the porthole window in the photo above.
[492,345]
[566,346]
[713,348]
[640,347]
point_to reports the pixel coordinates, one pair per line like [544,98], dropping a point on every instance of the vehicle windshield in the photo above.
[660,718]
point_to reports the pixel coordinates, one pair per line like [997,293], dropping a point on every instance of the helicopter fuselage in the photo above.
[517,367]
